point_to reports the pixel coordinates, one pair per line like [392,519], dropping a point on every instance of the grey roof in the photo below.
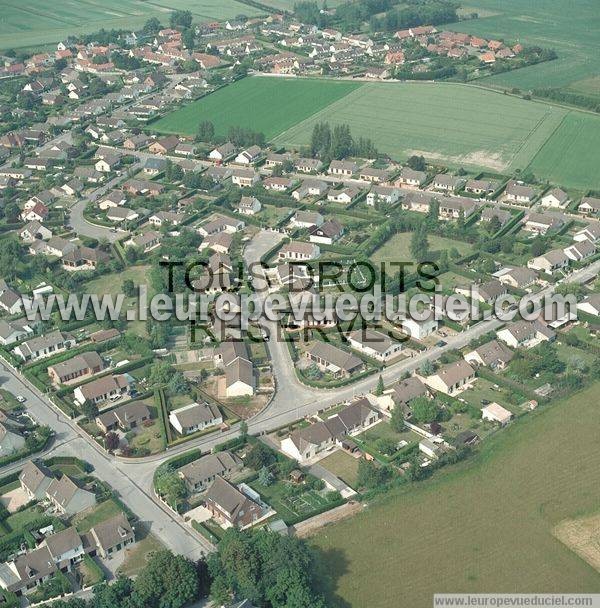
[62,490]
[33,475]
[77,364]
[452,373]
[335,356]
[60,543]
[371,338]
[196,413]
[409,389]
[134,411]
[111,532]
[49,340]
[494,352]
[239,370]
[209,466]
[228,497]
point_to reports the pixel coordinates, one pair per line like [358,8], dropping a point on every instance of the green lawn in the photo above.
[452,123]
[565,27]
[101,512]
[397,249]
[342,465]
[268,105]
[36,22]
[138,555]
[17,521]
[488,520]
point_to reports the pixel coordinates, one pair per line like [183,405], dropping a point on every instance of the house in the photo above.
[493,354]
[591,305]
[10,442]
[230,506]
[342,167]
[116,198]
[419,328]
[222,153]
[307,219]
[555,198]
[44,346]
[344,196]
[482,186]
[494,412]
[136,142]
[249,156]
[333,360]
[374,344]
[126,417]
[74,369]
[525,334]
[315,188]
[110,162]
[487,292]
[518,192]
[73,187]
[143,187]
[329,232]
[67,497]
[502,215]
[375,176]
[249,205]
[154,166]
[14,331]
[589,206]
[239,372]
[278,184]
[298,250]
[183,149]
[405,391]
[195,417]
[447,183]
[308,165]
[306,443]
[35,479]
[220,242]
[383,194]
[221,223]
[451,378]
[245,178]
[83,258]
[590,233]
[580,251]
[39,212]
[519,277]
[121,214]
[409,177]
[112,535]
[418,201]
[11,301]
[111,387]
[164,145]
[455,207]
[199,474]
[550,262]
[431,448]
[146,241]
[540,223]
[166,217]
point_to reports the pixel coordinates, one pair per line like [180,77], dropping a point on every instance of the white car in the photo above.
[21,399]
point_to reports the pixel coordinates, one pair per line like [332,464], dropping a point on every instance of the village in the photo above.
[284,425]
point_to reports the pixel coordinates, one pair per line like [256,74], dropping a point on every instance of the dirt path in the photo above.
[311,526]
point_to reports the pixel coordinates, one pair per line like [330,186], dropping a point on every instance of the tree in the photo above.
[129,288]
[494,225]
[419,244]
[397,419]
[380,387]
[244,430]
[167,581]
[371,475]
[160,373]
[188,39]
[170,486]
[181,19]
[111,441]
[386,445]
[152,26]
[90,410]
[424,409]
[265,477]
[417,163]
[178,385]
[206,131]
[259,456]
[427,368]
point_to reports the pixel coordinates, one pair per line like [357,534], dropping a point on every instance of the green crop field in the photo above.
[566,27]
[269,105]
[571,157]
[486,525]
[452,123]
[37,22]
[288,5]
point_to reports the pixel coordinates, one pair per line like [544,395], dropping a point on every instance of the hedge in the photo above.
[202,529]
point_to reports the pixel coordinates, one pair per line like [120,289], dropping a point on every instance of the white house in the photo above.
[383,194]
[452,378]
[591,305]
[494,412]
[555,198]
[374,344]
[249,205]
[420,329]
[195,417]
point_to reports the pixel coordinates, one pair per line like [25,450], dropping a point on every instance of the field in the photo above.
[564,27]
[36,22]
[269,105]
[342,465]
[397,249]
[288,5]
[561,160]
[455,124]
[487,524]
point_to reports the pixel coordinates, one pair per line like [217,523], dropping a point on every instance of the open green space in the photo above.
[485,524]
[342,465]
[397,249]
[100,513]
[267,105]
[565,27]
[36,22]
[288,5]
[571,156]
[451,123]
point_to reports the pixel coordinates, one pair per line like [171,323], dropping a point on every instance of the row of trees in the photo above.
[338,143]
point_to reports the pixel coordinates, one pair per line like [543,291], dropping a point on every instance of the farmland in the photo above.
[269,105]
[561,160]
[455,124]
[485,525]
[548,25]
[36,22]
